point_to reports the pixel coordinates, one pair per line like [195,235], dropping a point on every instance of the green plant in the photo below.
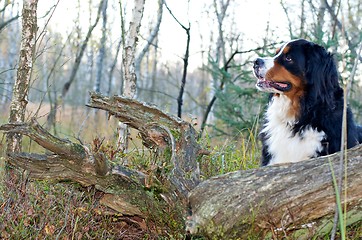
[341,218]
[230,156]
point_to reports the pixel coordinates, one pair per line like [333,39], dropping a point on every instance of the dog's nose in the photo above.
[258,63]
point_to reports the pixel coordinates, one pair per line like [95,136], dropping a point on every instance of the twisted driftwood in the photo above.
[296,198]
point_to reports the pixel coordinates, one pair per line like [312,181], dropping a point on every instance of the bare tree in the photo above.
[113,66]
[220,53]
[81,52]
[52,93]
[21,87]
[102,49]
[352,46]
[186,63]
[13,47]
[4,23]
[150,39]
[220,12]
[154,72]
[129,53]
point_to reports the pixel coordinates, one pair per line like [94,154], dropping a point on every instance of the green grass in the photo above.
[230,156]
[341,219]
[47,210]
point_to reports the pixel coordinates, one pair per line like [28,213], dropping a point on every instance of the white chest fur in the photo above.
[283,145]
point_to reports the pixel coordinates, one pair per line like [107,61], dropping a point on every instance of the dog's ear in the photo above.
[321,75]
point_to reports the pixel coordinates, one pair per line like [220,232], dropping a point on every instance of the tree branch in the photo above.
[155,127]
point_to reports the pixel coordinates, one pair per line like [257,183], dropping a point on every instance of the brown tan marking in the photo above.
[286,49]
[278,73]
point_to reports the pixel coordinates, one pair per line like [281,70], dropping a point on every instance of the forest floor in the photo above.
[50,210]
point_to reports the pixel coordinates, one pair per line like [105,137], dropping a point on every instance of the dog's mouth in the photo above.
[267,85]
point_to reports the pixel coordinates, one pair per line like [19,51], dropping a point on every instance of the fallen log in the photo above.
[172,140]
[297,197]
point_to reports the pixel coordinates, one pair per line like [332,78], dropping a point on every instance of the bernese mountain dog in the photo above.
[304,115]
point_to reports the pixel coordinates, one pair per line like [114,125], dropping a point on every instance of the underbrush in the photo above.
[45,210]
[49,210]
[230,155]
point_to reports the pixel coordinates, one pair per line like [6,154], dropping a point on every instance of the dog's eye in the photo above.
[288,58]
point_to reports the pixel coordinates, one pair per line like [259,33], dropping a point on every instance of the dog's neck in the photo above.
[282,109]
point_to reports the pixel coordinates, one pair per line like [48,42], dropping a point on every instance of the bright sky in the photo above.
[251,19]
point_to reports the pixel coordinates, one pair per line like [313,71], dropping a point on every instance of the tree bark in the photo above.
[130,78]
[171,137]
[298,198]
[173,140]
[21,86]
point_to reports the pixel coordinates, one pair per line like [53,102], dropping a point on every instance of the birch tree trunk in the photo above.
[129,52]
[21,86]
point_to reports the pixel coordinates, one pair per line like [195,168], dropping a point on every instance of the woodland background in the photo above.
[193,60]
[79,49]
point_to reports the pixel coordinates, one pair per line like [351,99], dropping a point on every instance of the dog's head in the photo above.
[299,68]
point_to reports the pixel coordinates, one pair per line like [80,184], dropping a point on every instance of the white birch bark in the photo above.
[130,77]
[21,86]
[129,52]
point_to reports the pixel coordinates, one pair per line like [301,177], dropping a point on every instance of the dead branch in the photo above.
[173,140]
[161,132]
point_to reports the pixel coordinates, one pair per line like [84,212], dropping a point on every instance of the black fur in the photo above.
[322,103]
